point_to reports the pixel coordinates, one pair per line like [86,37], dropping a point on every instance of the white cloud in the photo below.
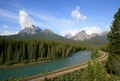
[71,32]
[25,20]
[107,28]
[6,32]
[93,29]
[52,21]
[77,15]
[88,30]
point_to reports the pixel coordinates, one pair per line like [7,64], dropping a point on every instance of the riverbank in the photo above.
[25,64]
[35,69]
[68,70]
[31,63]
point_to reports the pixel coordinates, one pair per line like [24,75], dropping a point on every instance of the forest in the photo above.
[23,51]
[108,70]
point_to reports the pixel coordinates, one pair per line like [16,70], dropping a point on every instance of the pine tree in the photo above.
[114,45]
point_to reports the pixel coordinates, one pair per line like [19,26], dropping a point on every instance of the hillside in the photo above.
[98,40]
[43,35]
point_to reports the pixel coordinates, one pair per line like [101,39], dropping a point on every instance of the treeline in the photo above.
[113,65]
[23,51]
[94,72]
[95,54]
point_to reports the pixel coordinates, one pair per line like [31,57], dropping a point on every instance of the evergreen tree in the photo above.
[23,51]
[114,45]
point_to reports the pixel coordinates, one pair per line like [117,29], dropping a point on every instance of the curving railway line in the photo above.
[64,71]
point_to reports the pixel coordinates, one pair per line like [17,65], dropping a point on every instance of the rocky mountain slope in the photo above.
[36,33]
[81,36]
[30,30]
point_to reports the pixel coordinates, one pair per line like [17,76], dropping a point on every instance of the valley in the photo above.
[55,40]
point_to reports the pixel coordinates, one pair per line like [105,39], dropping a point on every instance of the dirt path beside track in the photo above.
[64,71]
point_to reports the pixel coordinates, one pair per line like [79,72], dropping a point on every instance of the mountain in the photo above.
[47,31]
[97,40]
[33,32]
[105,32]
[30,30]
[81,36]
[93,35]
[36,33]
[48,35]
[69,36]
[93,39]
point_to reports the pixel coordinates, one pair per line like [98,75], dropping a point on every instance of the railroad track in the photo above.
[64,71]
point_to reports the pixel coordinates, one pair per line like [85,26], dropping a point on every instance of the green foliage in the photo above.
[11,79]
[114,45]
[23,51]
[94,72]
[95,54]
[14,79]
[98,40]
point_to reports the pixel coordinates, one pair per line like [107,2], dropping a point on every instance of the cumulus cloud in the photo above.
[88,30]
[93,29]
[77,15]
[71,32]
[6,32]
[25,20]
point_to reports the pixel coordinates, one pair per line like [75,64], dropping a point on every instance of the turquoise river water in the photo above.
[34,69]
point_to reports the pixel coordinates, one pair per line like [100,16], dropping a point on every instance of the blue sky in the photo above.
[60,16]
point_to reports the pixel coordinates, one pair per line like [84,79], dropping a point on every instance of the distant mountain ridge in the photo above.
[81,36]
[33,32]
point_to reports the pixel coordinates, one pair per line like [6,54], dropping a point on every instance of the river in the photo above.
[34,69]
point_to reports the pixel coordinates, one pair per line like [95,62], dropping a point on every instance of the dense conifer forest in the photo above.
[23,51]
